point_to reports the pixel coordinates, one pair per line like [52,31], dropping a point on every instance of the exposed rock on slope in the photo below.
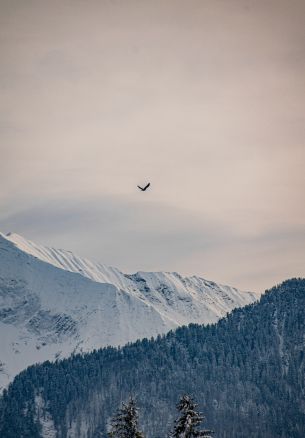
[53,304]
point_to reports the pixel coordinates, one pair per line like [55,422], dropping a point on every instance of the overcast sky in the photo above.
[204,98]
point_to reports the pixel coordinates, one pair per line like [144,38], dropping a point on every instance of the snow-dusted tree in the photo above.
[125,423]
[189,420]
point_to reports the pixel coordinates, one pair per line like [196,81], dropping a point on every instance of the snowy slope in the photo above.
[53,303]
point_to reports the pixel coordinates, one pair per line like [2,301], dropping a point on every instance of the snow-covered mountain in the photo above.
[53,303]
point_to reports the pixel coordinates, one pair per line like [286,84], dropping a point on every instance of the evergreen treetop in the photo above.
[189,420]
[125,423]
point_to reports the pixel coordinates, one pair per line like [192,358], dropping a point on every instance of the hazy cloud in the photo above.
[204,98]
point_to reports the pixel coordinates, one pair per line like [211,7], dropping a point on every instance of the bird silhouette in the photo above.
[144,188]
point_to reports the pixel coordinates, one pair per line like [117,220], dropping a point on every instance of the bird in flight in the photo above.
[144,188]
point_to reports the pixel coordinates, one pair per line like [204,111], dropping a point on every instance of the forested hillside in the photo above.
[247,373]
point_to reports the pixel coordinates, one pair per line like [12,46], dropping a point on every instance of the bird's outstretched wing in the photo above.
[146,187]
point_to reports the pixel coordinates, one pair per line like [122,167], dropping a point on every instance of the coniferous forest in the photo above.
[247,373]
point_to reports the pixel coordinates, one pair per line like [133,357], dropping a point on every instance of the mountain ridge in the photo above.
[53,304]
[96,271]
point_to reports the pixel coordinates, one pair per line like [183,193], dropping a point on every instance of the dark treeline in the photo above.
[247,373]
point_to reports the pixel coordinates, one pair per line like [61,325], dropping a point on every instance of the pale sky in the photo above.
[203,98]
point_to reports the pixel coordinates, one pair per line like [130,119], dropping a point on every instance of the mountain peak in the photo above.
[54,303]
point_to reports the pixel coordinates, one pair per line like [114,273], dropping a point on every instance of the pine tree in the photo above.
[189,420]
[125,423]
